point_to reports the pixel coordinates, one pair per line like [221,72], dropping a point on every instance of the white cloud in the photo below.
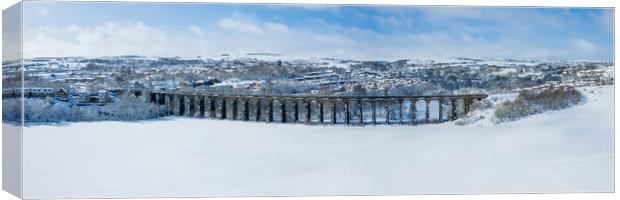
[239,25]
[393,21]
[112,38]
[508,19]
[584,45]
[331,39]
[196,30]
[239,35]
[276,26]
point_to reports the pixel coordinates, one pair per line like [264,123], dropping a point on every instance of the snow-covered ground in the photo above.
[562,151]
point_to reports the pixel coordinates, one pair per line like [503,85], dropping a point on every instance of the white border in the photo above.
[565,3]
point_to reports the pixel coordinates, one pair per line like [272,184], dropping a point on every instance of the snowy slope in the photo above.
[563,151]
[486,116]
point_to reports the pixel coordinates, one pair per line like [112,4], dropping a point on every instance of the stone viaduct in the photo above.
[314,109]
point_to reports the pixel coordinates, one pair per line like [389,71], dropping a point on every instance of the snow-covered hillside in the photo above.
[563,151]
[484,115]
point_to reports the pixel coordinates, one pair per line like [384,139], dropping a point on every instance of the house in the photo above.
[61,93]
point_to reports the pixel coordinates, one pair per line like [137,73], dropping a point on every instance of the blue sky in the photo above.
[356,32]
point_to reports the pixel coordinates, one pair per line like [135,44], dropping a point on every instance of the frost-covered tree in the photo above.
[11,109]
[130,107]
[50,110]
[534,102]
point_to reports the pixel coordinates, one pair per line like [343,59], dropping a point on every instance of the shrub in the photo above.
[534,102]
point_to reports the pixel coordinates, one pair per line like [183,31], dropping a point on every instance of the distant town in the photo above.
[95,81]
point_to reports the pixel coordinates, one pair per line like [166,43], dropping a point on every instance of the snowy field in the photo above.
[563,151]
